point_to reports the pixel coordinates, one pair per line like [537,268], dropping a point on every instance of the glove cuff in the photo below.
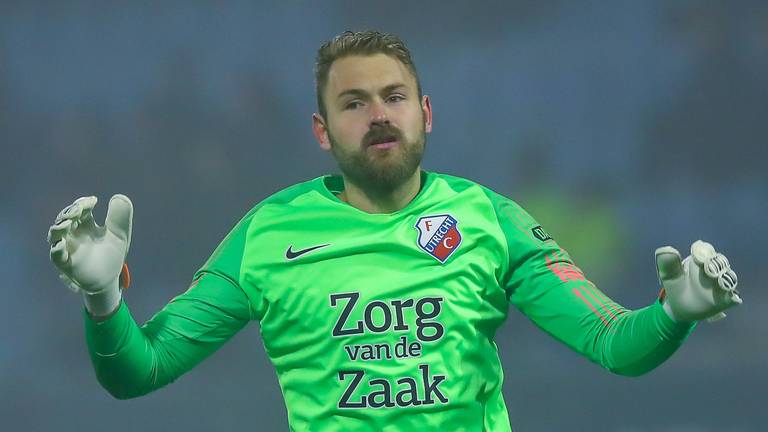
[103,303]
[668,309]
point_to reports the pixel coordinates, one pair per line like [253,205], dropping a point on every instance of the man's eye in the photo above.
[353,105]
[395,98]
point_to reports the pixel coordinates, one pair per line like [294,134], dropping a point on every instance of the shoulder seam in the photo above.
[486,193]
[454,181]
[290,193]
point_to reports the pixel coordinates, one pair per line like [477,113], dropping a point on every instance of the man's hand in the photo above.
[699,287]
[90,258]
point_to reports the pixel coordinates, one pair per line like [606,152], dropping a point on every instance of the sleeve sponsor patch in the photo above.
[540,234]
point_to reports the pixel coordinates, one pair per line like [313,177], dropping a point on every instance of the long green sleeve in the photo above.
[544,284]
[131,361]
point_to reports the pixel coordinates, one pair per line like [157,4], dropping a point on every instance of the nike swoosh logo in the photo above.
[291,254]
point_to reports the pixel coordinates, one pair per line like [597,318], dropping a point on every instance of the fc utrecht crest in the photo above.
[438,235]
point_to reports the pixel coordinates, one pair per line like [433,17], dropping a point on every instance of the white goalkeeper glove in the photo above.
[91,258]
[699,287]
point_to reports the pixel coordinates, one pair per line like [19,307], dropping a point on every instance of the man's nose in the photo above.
[379,114]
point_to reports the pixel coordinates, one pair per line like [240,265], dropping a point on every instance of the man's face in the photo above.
[375,124]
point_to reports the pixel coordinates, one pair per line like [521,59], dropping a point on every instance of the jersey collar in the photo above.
[333,184]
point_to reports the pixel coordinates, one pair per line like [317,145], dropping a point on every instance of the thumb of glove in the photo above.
[119,217]
[668,264]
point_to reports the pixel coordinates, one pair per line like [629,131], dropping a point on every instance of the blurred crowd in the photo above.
[620,126]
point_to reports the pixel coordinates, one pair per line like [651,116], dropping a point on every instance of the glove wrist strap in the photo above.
[103,303]
[668,309]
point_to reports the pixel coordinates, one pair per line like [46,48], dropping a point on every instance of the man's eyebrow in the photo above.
[361,92]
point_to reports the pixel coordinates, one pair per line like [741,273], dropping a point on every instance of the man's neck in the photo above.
[388,203]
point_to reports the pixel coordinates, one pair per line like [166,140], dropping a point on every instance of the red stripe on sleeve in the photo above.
[576,291]
[615,307]
[600,303]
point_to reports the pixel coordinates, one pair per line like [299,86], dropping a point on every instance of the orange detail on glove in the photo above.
[125,277]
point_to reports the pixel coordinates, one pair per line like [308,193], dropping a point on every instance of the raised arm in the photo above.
[130,360]
[542,281]
[553,293]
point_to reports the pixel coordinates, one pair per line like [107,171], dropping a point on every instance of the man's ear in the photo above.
[320,130]
[426,108]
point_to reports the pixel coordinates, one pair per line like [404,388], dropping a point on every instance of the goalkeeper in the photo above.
[379,291]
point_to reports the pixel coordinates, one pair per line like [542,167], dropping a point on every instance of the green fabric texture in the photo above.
[546,286]
[382,321]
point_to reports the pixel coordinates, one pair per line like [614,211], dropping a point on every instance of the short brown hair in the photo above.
[358,43]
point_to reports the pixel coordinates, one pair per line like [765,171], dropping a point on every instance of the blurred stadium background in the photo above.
[621,126]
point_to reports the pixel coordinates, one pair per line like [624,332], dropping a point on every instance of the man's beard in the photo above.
[379,173]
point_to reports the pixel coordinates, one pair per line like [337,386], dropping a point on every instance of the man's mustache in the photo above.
[380,134]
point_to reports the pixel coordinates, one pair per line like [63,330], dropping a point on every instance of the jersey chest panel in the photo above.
[372,277]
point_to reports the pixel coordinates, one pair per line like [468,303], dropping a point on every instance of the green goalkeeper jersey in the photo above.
[382,322]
